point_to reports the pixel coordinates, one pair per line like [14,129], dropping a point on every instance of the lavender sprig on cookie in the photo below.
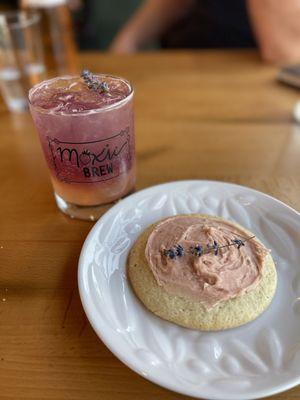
[198,250]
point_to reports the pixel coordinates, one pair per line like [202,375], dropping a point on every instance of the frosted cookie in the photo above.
[202,272]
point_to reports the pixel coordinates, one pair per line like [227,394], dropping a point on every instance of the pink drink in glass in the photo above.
[88,140]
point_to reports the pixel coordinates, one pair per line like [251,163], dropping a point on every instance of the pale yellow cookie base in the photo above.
[192,314]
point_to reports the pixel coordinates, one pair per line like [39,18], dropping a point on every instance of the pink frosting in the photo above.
[209,279]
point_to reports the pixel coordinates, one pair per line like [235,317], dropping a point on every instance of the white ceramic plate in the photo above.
[256,360]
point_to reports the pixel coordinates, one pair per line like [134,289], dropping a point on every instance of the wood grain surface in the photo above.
[199,115]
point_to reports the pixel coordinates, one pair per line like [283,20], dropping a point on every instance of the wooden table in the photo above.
[212,115]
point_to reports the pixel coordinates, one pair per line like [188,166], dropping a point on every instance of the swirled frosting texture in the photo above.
[209,279]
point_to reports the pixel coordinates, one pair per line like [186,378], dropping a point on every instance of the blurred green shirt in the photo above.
[99,21]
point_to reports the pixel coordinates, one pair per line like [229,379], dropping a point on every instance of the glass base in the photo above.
[89,213]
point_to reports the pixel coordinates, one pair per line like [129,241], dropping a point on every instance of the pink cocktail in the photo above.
[86,129]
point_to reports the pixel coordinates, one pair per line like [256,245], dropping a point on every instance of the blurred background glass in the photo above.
[21,56]
[57,34]
[36,42]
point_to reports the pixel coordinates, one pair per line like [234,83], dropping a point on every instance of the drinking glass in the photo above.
[21,56]
[90,153]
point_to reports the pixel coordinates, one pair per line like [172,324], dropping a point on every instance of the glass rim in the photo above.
[31,18]
[85,112]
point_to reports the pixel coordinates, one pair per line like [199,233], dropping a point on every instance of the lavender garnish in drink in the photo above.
[93,82]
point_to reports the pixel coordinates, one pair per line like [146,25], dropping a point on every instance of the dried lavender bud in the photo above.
[175,251]
[85,73]
[179,250]
[197,250]
[171,253]
[93,85]
[216,248]
[104,87]
[238,243]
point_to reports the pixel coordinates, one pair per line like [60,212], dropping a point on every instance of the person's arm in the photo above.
[148,23]
[276,26]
